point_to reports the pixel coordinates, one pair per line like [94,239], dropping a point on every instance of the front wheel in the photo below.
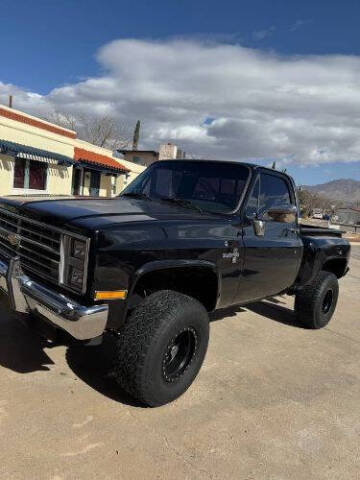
[316,302]
[161,347]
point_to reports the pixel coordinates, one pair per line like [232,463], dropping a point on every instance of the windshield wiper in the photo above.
[143,196]
[182,202]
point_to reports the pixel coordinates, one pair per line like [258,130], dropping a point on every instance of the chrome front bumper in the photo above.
[27,296]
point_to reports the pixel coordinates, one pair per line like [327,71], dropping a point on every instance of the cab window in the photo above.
[274,192]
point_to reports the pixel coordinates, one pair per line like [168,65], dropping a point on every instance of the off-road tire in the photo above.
[144,342]
[316,302]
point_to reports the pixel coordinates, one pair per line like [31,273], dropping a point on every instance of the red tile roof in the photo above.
[36,123]
[98,159]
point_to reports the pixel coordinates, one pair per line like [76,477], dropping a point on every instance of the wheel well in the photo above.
[199,282]
[336,266]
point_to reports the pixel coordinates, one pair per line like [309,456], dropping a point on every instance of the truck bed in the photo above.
[316,231]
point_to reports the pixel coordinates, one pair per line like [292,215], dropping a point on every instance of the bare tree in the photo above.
[104,131]
[63,119]
[311,200]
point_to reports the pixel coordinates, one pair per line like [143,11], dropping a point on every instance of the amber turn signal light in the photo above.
[111,295]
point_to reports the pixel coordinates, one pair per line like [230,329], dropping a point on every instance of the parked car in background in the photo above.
[317,213]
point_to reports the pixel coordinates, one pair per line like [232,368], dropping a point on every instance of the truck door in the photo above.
[272,246]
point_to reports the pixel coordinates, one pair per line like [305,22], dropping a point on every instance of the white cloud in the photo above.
[298,109]
[261,34]
[298,24]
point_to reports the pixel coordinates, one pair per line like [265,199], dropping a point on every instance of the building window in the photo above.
[30,174]
[138,160]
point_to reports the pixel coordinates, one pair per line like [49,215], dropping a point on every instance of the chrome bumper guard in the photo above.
[26,296]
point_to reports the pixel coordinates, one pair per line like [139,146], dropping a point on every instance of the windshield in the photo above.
[211,186]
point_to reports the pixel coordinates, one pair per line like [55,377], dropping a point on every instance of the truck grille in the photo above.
[38,245]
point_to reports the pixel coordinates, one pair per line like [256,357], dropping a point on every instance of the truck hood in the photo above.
[95,212]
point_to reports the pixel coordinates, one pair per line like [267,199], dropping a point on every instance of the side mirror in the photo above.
[283,214]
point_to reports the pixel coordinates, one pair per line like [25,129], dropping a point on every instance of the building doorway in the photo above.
[95,183]
[77,181]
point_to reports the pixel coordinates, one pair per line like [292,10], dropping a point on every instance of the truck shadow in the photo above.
[271,309]
[224,313]
[93,365]
[21,349]
[275,312]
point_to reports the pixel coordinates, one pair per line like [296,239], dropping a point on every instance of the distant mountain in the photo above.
[343,190]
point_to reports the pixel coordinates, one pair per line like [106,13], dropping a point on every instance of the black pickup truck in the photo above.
[185,238]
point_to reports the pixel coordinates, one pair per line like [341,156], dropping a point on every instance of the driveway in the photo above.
[273,401]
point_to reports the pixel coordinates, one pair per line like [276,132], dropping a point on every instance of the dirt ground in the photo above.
[273,401]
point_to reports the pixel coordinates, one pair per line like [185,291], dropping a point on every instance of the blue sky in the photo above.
[63,36]
[47,45]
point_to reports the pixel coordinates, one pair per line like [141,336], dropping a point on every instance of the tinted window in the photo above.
[210,185]
[37,175]
[19,172]
[30,174]
[274,192]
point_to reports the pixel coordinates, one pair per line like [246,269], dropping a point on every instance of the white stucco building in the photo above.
[38,157]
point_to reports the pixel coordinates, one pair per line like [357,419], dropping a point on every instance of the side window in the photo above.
[253,201]
[137,160]
[274,192]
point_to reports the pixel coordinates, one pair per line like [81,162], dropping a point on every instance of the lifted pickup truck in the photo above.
[185,238]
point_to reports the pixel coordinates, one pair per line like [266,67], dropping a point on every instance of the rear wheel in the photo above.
[316,302]
[161,347]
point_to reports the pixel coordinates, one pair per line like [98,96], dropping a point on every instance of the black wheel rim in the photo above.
[179,354]
[327,302]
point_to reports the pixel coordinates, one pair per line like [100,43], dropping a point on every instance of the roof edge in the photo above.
[22,117]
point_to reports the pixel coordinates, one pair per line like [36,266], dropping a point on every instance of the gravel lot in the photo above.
[273,401]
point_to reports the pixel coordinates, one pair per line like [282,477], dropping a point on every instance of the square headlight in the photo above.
[76,277]
[78,249]
[73,262]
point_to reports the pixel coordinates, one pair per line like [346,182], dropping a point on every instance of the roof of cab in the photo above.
[252,166]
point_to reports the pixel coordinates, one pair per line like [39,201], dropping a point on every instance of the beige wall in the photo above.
[120,184]
[134,171]
[59,180]
[167,151]
[146,157]
[86,188]
[105,186]
[59,177]
[18,132]
[6,174]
